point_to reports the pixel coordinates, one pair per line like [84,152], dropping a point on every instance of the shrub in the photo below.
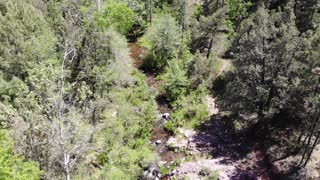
[175,81]
[162,39]
[202,70]
[190,111]
[14,166]
[117,15]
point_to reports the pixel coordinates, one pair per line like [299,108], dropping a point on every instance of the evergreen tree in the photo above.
[266,65]
[163,40]
[25,37]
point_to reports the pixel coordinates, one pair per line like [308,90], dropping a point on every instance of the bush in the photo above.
[190,111]
[175,81]
[14,166]
[127,133]
[162,39]
[202,70]
[117,15]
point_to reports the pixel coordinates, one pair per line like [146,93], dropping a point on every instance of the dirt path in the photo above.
[226,64]
[136,53]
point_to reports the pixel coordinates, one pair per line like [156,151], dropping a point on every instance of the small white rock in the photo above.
[173,172]
[162,163]
[158,141]
[166,116]
[115,114]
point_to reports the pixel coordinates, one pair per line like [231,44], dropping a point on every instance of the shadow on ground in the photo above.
[218,138]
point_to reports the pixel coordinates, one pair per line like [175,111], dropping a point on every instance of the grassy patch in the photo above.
[217,65]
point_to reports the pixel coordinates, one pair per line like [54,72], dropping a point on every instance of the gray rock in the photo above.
[115,114]
[166,116]
[177,144]
[249,156]
[151,176]
[188,133]
[316,70]
[172,173]
[152,173]
[162,163]
[145,173]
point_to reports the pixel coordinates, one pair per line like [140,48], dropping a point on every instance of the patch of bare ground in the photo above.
[229,156]
[226,66]
[313,167]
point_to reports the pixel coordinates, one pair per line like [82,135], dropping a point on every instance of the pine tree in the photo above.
[266,65]
[25,38]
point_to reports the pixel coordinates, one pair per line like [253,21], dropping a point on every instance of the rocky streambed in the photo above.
[210,152]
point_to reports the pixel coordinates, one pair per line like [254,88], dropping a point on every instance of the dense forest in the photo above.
[159,89]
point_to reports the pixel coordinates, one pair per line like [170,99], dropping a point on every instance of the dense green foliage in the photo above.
[267,72]
[274,47]
[163,40]
[69,92]
[238,8]
[14,166]
[117,15]
[25,38]
[276,74]
[170,53]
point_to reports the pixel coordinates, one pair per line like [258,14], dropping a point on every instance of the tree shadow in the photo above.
[218,137]
[246,151]
[164,105]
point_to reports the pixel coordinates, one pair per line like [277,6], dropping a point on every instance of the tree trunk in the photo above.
[150,12]
[309,137]
[98,4]
[210,47]
[66,165]
[316,141]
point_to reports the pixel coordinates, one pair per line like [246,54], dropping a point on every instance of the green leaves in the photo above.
[176,83]
[128,119]
[203,71]
[12,165]
[268,63]
[238,8]
[163,39]
[25,37]
[190,111]
[117,15]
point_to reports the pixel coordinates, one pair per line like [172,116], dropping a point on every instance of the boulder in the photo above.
[151,173]
[316,70]
[166,116]
[192,146]
[115,113]
[188,133]
[211,103]
[176,143]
